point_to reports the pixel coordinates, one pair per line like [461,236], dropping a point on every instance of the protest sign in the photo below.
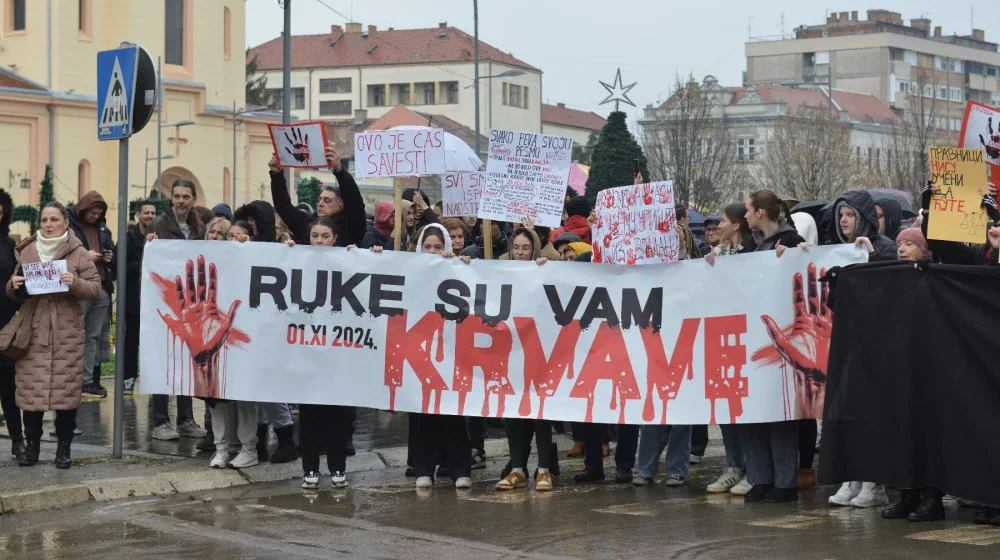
[399,153]
[421,333]
[981,129]
[460,193]
[300,144]
[956,211]
[636,225]
[43,277]
[526,177]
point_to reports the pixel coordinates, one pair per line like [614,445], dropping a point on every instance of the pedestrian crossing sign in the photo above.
[116,70]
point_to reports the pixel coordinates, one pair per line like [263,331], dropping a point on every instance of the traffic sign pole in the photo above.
[116,445]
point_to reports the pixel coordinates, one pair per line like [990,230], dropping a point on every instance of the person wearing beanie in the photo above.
[222,210]
[577,210]
[911,245]
[561,244]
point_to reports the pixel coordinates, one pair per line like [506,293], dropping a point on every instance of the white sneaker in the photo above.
[730,477]
[463,482]
[338,480]
[742,487]
[245,459]
[848,491]
[695,459]
[425,482]
[220,460]
[310,480]
[871,495]
[165,432]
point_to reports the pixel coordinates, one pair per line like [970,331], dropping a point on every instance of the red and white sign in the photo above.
[681,343]
[636,225]
[981,129]
[300,144]
[460,193]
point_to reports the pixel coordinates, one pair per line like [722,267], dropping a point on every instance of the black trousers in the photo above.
[807,443]
[324,426]
[131,346]
[8,402]
[699,440]
[432,428]
[65,424]
[477,432]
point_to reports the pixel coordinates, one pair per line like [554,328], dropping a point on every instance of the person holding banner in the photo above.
[380,232]
[856,221]
[50,376]
[772,447]
[345,205]
[8,307]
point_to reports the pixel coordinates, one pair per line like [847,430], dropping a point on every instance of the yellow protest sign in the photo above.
[959,175]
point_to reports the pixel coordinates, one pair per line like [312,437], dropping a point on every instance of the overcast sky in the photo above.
[578,42]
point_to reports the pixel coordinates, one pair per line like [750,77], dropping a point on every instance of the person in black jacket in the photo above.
[855,217]
[87,219]
[345,205]
[8,307]
[145,213]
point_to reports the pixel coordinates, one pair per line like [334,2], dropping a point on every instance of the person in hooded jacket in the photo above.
[345,205]
[87,219]
[890,215]
[261,217]
[145,213]
[8,307]
[577,212]
[50,377]
[854,219]
[380,232]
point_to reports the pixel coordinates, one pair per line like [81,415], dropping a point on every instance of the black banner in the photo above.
[913,395]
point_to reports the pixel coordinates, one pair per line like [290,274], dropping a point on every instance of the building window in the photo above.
[84,25]
[928,90]
[227,33]
[376,96]
[297,94]
[335,85]
[450,92]
[426,94]
[16,17]
[955,94]
[327,108]
[746,149]
[512,95]
[903,86]
[942,92]
[400,94]
[82,178]
[174,32]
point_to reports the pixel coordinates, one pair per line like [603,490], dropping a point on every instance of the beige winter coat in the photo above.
[50,377]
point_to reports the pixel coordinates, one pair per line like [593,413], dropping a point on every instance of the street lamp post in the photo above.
[159,136]
[235,114]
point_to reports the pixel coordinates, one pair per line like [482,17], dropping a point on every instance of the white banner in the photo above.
[681,343]
[399,153]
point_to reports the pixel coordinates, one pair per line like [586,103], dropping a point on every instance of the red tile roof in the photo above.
[381,47]
[11,79]
[860,107]
[564,116]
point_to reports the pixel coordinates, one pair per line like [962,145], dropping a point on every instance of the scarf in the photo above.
[47,248]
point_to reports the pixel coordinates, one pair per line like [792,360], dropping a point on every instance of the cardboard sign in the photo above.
[526,177]
[300,144]
[399,153]
[956,211]
[636,225]
[981,129]
[43,277]
[460,193]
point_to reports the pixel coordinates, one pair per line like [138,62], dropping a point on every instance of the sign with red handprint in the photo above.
[637,224]
[300,144]
[981,129]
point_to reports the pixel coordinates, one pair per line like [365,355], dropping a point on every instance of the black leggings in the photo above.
[324,426]
[65,424]
[431,431]
[807,443]
[8,402]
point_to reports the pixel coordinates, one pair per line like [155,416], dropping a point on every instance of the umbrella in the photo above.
[458,156]
[811,207]
[578,175]
[904,199]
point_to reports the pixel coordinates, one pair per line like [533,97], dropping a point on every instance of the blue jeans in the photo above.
[736,449]
[677,440]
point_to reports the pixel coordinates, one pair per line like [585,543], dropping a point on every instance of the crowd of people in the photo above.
[767,462]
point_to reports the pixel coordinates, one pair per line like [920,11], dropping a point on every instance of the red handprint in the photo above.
[991,144]
[609,202]
[299,144]
[199,323]
[647,194]
[804,345]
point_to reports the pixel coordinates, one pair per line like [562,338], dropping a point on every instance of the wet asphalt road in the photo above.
[383,516]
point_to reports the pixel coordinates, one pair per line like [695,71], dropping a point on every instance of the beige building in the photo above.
[561,120]
[905,66]
[48,98]
[431,70]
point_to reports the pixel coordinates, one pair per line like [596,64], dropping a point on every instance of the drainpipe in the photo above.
[48,71]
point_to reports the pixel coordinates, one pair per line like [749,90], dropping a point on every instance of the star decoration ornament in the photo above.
[618,92]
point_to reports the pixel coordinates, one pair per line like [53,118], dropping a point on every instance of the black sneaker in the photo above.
[589,476]
[757,493]
[409,472]
[95,389]
[781,495]
[478,459]
[623,476]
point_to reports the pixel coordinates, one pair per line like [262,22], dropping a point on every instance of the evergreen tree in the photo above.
[308,191]
[45,195]
[613,159]
[256,86]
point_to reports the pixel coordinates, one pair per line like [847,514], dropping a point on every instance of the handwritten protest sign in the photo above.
[956,211]
[526,177]
[981,129]
[460,193]
[636,225]
[300,144]
[43,277]
[399,153]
